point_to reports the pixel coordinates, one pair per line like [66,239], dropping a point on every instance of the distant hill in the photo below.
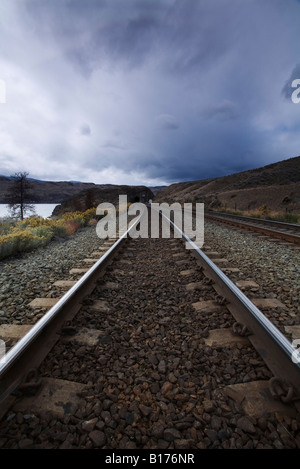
[277,185]
[48,192]
[73,195]
[157,189]
[92,197]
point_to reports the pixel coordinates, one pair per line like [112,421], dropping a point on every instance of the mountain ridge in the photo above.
[49,192]
[276,185]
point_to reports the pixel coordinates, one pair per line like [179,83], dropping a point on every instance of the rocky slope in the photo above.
[276,185]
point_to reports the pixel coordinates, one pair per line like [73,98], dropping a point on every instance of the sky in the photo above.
[147,91]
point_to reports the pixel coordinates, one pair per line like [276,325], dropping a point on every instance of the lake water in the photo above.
[42,210]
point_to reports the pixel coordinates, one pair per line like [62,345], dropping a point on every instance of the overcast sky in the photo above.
[147,91]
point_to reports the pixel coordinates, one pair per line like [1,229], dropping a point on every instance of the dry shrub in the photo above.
[92,222]
[71,227]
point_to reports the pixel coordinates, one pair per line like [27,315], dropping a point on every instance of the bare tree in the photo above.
[90,199]
[19,196]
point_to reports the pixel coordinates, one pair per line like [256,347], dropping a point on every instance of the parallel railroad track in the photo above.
[285,231]
[154,347]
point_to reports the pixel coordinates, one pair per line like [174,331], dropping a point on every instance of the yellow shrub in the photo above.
[8,245]
[59,228]
[264,209]
[21,241]
[90,213]
[35,231]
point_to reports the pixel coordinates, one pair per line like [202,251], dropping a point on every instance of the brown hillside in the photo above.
[48,192]
[277,185]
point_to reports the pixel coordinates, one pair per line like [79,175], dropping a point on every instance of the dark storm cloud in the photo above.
[165,121]
[209,151]
[93,32]
[85,129]
[130,41]
[182,35]
[223,111]
[195,35]
[172,89]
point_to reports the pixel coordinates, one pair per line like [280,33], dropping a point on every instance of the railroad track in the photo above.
[274,229]
[153,348]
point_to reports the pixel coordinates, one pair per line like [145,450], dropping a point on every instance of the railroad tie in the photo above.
[13,331]
[78,271]
[64,283]
[57,396]
[187,272]
[254,398]
[44,303]
[209,306]
[224,338]
[244,284]
[268,303]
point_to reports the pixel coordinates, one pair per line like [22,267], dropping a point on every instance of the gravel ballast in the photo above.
[273,265]
[32,275]
[151,382]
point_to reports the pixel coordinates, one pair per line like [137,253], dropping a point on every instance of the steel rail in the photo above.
[276,351]
[258,220]
[17,362]
[291,237]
